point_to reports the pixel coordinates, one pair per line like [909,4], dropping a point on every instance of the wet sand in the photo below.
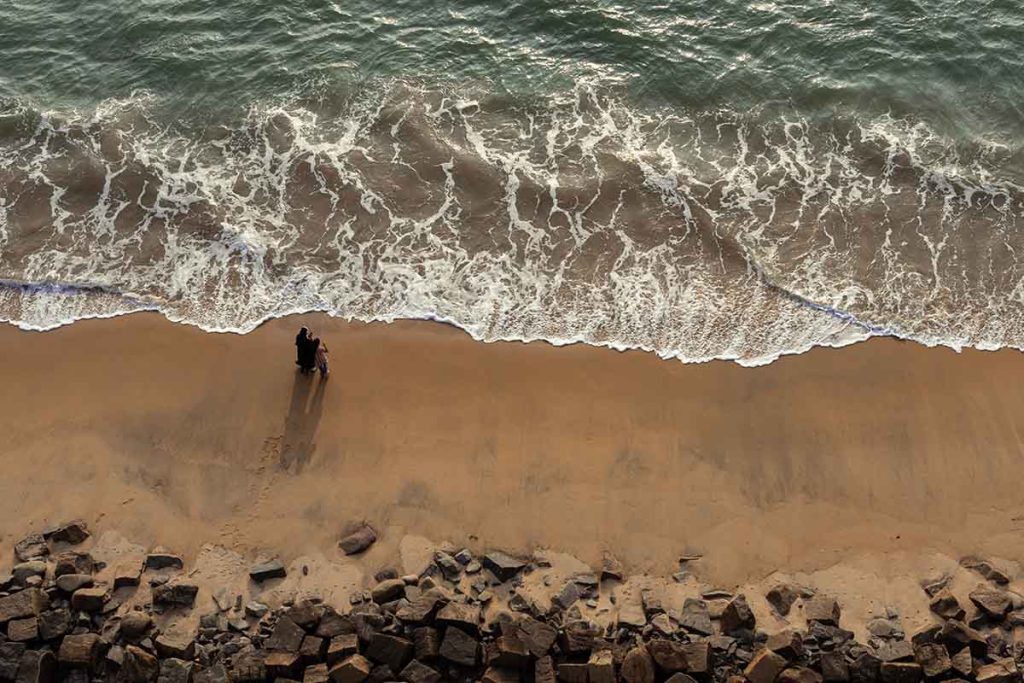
[871,458]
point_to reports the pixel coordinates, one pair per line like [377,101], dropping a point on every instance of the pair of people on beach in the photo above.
[311,353]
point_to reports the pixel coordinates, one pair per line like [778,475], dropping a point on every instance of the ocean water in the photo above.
[699,179]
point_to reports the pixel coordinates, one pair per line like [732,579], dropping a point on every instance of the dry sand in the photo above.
[866,467]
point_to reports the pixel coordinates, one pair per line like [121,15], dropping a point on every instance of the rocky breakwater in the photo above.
[63,616]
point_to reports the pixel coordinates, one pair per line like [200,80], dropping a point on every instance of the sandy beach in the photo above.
[178,437]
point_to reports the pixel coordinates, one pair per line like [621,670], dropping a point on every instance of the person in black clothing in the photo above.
[305,351]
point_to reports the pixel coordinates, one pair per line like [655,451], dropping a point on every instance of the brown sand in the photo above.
[850,460]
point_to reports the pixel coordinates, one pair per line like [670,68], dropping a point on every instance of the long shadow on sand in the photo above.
[300,425]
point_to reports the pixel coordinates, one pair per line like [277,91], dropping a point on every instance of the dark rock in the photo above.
[637,666]
[359,540]
[1002,671]
[264,571]
[956,635]
[834,668]
[175,595]
[140,667]
[865,668]
[459,647]
[10,659]
[388,591]
[497,674]
[934,659]
[391,650]
[158,560]
[73,562]
[333,624]
[567,597]
[312,650]
[23,630]
[449,567]
[899,672]
[985,568]
[544,670]
[175,645]
[54,623]
[737,615]
[420,610]
[417,672]
[69,583]
[287,636]
[462,615]
[579,636]
[764,667]
[24,572]
[681,678]
[81,651]
[342,647]
[27,603]
[89,600]
[962,662]
[668,655]
[822,609]
[896,651]
[316,673]
[32,547]
[993,602]
[427,643]
[537,636]
[509,651]
[355,669]
[601,667]
[572,673]
[503,566]
[695,617]
[72,533]
[799,674]
[135,625]
[215,673]
[127,574]
[781,597]
[945,604]
[282,665]
[787,643]
[37,666]
[305,614]
[175,671]
[247,667]
[698,657]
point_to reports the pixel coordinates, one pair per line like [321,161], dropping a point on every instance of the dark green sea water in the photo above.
[702,179]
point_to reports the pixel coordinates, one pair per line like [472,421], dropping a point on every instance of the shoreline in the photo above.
[183,438]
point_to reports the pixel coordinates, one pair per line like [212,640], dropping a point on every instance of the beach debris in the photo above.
[357,541]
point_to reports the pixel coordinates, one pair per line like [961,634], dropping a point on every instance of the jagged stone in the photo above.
[36,666]
[282,665]
[73,562]
[865,668]
[427,642]
[799,674]
[265,571]
[787,643]
[956,635]
[23,630]
[391,650]
[175,594]
[822,609]
[359,540]
[448,565]
[342,647]
[896,651]
[544,670]
[681,678]
[127,574]
[462,615]
[287,636]
[32,547]
[945,604]
[572,673]
[579,636]
[26,603]
[934,659]
[834,668]
[333,624]
[985,568]
[899,672]
[160,559]
[89,600]
[388,591]
[568,596]
[631,615]
[497,674]
[764,667]
[72,533]
[139,665]
[316,673]
[1002,671]
[503,566]
[601,667]
[992,602]
[354,669]
[537,636]
[173,670]
[459,647]
[737,615]
[419,610]
[54,623]
[695,617]
[637,666]
[175,645]
[418,672]
[135,625]
[962,662]
[312,650]
[781,597]
[669,655]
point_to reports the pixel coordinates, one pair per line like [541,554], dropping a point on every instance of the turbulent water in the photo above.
[700,179]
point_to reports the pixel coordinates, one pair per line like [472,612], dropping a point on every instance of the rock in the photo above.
[341,647]
[865,669]
[508,651]
[631,615]
[79,651]
[567,597]
[175,671]
[22,572]
[668,655]
[23,630]
[27,603]
[822,609]
[464,616]
[69,583]
[900,672]
[449,567]
[417,672]
[956,635]
[698,657]
[885,628]
[993,602]
[611,568]
[896,651]
[388,591]
[175,645]
[544,670]
[135,625]
[73,562]
[459,647]
[282,665]
[333,624]
[419,610]
[427,642]
[54,623]
[89,600]
[579,636]
[175,595]
[962,662]
[695,617]
[72,533]
[799,674]
[37,666]
[316,673]
[934,659]
[264,571]
[10,659]
[834,668]
[788,644]
[764,667]
[32,547]
[127,574]
[985,568]
[601,667]
[637,666]
[391,650]
[286,637]
[215,673]
[354,669]
[737,615]
[497,674]
[312,650]
[503,566]
[158,559]
[781,597]
[1002,671]
[662,625]
[573,673]
[537,636]
[945,604]
[359,540]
